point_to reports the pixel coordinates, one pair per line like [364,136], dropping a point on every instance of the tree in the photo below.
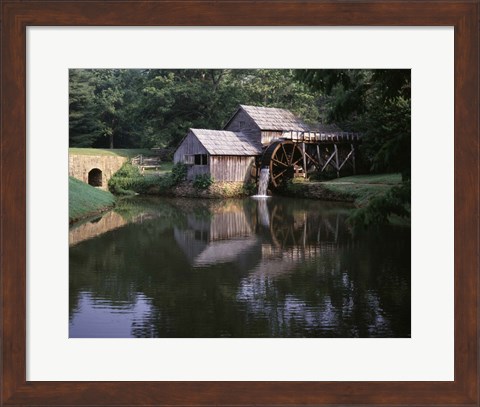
[155,107]
[84,124]
[378,104]
[374,102]
[109,95]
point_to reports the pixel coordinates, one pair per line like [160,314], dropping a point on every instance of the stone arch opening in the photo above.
[95,177]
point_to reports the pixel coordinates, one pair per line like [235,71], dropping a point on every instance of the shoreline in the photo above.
[92,214]
[86,201]
[357,191]
[223,190]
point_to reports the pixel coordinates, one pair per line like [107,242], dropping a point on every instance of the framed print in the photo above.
[63,344]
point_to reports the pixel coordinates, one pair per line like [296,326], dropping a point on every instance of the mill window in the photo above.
[189,159]
[201,159]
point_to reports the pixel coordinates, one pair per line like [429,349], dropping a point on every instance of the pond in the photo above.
[244,268]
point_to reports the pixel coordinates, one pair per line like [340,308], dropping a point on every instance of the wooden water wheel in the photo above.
[284,159]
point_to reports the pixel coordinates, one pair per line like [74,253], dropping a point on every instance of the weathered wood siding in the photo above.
[249,127]
[268,136]
[231,168]
[221,168]
[191,145]
[194,170]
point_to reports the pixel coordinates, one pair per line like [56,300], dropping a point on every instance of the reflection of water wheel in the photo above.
[283,158]
[284,228]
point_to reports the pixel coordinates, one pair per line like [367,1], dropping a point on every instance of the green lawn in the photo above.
[164,168]
[363,187]
[85,200]
[386,179]
[122,152]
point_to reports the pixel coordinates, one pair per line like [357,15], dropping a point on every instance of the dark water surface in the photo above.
[237,268]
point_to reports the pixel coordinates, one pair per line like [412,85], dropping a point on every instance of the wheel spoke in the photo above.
[291,156]
[285,154]
[280,173]
[279,162]
[282,159]
[300,159]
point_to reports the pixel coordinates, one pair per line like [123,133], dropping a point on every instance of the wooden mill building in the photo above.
[224,155]
[264,124]
[266,136]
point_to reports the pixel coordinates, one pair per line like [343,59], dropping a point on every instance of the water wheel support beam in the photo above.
[353,159]
[319,155]
[336,160]
[304,160]
[313,160]
[346,159]
[328,162]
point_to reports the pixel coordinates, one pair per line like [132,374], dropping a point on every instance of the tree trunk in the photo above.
[111,140]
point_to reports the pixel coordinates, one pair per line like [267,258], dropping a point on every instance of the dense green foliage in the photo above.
[377,197]
[202,181]
[128,180]
[395,201]
[154,108]
[85,200]
[179,173]
[378,104]
[374,102]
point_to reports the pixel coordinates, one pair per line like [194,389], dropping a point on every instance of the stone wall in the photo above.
[80,165]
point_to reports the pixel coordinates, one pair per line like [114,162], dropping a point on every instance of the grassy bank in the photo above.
[363,188]
[119,152]
[85,200]
[358,189]
[163,169]
[379,198]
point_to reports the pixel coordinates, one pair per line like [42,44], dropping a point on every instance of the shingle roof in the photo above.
[272,118]
[221,142]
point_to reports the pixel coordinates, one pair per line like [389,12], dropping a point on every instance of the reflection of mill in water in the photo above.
[266,230]
[222,233]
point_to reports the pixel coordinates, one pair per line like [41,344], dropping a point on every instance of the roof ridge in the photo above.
[266,107]
[227,131]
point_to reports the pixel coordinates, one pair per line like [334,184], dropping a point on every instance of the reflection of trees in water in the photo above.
[218,269]
[111,265]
